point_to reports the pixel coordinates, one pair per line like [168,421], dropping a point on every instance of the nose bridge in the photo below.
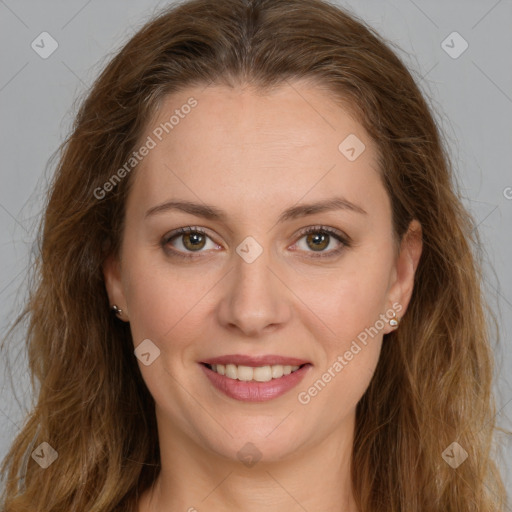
[254,298]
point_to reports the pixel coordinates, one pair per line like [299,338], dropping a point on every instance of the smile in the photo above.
[254,383]
[248,373]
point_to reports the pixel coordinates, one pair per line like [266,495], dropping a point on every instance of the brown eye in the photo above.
[193,241]
[318,241]
[187,240]
[318,238]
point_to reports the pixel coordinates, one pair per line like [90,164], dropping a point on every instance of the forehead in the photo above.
[234,144]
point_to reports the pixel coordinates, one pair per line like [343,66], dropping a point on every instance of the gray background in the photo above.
[471,95]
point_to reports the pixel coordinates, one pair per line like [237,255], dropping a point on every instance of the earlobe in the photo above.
[113,284]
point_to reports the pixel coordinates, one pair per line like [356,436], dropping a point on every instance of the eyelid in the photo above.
[183,230]
[327,229]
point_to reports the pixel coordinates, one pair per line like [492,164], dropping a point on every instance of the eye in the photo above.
[187,239]
[318,238]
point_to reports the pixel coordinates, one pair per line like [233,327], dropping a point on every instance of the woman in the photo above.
[256,286]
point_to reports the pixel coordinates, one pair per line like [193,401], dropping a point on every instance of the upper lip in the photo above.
[264,360]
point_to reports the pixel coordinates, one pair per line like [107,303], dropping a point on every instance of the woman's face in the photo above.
[252,172]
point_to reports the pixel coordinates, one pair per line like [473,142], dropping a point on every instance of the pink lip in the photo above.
[255,391]
[267,360]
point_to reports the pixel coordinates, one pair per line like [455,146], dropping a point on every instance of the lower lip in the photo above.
[252,391]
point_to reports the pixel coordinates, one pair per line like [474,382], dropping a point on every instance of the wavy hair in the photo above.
[433,383]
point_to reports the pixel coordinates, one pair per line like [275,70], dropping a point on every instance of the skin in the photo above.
[253,156]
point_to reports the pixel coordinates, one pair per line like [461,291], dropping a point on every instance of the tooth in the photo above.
[248,373]
[262,373]
[277,371]
[231,371]
[245,373]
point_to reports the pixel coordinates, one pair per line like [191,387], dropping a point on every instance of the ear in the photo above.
[406,264]
[113,283]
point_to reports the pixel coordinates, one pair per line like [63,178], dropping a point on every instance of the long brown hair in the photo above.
[432,385]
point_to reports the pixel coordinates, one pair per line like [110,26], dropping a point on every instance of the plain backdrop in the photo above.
[469,88]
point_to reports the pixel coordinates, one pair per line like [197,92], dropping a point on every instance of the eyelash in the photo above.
[343,239]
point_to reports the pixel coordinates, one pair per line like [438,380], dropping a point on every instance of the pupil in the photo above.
[195,238]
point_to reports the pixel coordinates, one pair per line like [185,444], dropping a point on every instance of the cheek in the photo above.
[353,306]
[352,298]
[350,303]
[350,355]
[161,298]
[346,378]
[354,311]
[166,306]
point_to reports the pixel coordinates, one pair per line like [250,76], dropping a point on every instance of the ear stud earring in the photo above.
[116,310]
[394,321]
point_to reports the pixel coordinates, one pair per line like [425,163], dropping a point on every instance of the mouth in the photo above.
[244,373]
[257,382]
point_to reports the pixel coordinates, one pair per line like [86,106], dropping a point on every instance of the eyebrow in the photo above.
[213,213]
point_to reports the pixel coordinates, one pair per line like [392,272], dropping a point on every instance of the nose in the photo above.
[255,300]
